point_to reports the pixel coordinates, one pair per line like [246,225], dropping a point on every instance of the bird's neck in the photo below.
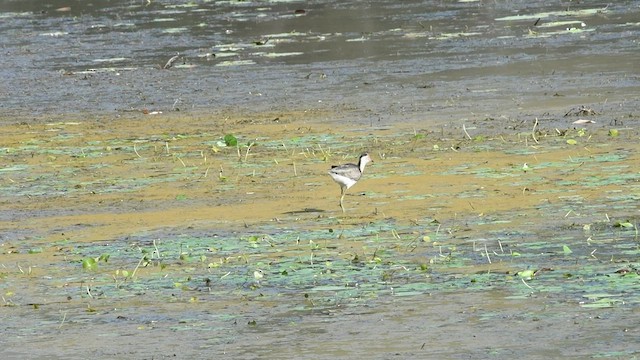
[361,165]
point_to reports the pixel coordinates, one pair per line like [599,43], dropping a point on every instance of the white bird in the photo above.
[347,175]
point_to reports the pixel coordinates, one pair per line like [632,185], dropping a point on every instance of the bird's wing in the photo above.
[348,170]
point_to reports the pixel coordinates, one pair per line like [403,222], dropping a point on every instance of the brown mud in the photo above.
[282,189]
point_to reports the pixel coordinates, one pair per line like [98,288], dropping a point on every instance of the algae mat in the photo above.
[156,237]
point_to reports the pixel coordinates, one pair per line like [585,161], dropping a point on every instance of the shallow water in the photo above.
[380,62]
[450,248]
[248,255]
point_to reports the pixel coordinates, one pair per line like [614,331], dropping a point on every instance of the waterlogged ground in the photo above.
[148,237]
[128,229]
[377,61]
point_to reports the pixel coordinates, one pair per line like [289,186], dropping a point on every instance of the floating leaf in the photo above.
[89,264]
[526,274]
[230,140]
[613,132]
[566,250]
[604,302]
[572,142]
[598,304]
[625,224]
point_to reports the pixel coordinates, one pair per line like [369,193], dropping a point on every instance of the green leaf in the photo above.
[572,142]
[566,250]
[613,132]
[602,303]
[625,224]
[526,274]
[89,264]
[230,140]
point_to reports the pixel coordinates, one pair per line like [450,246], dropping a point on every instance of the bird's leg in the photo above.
[342,198]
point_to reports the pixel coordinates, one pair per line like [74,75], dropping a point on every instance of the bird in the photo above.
[347,175]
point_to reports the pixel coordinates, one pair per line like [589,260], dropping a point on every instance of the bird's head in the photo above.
[364,160]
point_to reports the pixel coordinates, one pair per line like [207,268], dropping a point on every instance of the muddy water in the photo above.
[380,62]
[450,247]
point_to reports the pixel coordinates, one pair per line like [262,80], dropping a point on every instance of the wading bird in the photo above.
[347,175]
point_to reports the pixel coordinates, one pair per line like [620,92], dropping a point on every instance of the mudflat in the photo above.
[163,237]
